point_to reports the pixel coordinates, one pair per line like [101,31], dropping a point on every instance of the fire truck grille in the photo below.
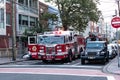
[50,50]
[92,53]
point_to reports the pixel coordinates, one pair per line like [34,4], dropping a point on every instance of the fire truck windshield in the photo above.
[50,40]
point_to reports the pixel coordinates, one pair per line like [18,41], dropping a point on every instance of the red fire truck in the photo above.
[55,45]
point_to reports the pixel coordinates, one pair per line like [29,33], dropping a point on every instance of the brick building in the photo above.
[6,26]
[27,13]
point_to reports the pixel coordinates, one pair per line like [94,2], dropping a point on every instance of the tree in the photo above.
[77,13]
[41,25]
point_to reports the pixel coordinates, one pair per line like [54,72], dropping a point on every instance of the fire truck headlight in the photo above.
[59,50]
[41,51]
[58,46]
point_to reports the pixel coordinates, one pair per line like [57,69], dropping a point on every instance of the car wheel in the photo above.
[82,61]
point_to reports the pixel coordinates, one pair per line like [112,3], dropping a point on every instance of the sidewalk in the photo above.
[9,60]
[6,60]
[112,67]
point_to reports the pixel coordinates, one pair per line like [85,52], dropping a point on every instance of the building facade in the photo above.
[6,24]
[6,11]
[26,15]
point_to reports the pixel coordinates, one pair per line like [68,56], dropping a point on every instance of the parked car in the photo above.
[115,47]
[111,50]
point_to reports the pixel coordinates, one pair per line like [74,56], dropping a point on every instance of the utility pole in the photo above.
[106,31]
[117,34]
[13,31]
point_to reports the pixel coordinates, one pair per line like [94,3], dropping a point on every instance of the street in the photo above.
[47,77]
[52,74]
[73,64]
[36,69]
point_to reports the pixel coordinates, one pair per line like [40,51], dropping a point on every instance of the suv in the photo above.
[95,50]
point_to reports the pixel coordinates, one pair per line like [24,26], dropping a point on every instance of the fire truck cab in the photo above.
[55,45]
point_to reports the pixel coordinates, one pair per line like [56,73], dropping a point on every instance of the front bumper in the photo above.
[54,56]
[93,57]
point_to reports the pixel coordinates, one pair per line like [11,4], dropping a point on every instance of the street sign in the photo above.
[115,22]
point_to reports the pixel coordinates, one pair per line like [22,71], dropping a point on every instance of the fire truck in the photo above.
[55,45]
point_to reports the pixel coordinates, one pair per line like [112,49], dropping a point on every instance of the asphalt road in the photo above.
[47,77]
[37,70]
[39,64]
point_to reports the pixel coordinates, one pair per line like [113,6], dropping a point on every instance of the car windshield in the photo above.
[94,45]
[50,40]
[110,47]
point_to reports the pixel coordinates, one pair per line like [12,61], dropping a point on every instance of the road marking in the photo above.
[57,71]
[65,66]
[110,78]
[76,63]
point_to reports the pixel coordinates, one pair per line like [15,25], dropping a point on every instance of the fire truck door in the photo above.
[32,40]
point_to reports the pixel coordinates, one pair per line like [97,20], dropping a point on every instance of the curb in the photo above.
[106,69]
[12,61]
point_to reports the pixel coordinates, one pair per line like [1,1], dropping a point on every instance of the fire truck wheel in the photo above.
[30,58]
[78,56]
[69,59]
[45,61]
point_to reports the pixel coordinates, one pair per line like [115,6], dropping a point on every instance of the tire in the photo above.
[103,61]
[69,59]
[107,59]
[79,56]
[30,58]
[45,61]
[82,61]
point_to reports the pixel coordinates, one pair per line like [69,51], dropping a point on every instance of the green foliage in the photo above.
[47,16]
[41,25]
[33,30]
[77,13]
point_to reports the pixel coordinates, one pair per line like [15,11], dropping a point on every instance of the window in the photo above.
[24,2]
[23,20]
[8,18]
[33,3]
[32,21]
[21,1]
[1,18]
[1,15]
[10,42]
[8,0]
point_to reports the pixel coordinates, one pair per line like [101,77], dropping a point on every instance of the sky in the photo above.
[108,8]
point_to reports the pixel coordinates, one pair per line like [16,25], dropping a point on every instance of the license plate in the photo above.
[91,57]
[49,57]
[39,57]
